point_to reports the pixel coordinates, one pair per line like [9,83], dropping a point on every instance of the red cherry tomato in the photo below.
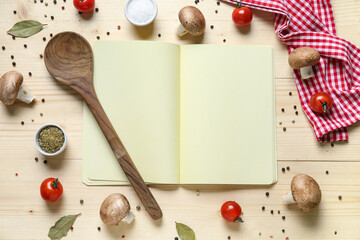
[51,189]
[231,211]
[84,5]
[242,16]
[321,102]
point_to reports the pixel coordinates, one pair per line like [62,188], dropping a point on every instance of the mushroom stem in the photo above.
[181,31]
[288,198]
[24,95]
[306,72]
[129,217]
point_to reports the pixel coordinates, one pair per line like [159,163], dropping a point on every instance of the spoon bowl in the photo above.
[69,59]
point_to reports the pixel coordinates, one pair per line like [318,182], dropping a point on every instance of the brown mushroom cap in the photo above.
[114,208]
[10,84]
[306,192]
[303,57]
[192,20]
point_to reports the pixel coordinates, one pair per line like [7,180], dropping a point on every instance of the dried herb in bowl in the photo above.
[51,139]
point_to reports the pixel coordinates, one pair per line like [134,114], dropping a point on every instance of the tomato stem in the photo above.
[55,184]
[238,219]
[324,106]
[238,4]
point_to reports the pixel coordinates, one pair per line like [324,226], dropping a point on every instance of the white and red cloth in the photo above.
[311,23]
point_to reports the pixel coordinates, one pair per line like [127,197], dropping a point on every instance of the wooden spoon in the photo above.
[69,59]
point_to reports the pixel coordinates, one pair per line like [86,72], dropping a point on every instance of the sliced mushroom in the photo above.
[304,58]
[11,89]
[116,208]
[192,22]
[305,192]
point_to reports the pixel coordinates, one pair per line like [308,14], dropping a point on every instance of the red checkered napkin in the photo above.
[311,23]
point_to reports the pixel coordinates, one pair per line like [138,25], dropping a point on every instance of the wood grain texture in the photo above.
[69,59]
[24,215]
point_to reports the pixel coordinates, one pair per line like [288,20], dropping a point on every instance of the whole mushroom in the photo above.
[304,58]
[305,192]
[116,208]
[192,22]
[11,89]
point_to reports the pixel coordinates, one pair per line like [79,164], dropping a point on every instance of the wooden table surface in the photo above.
[24,215]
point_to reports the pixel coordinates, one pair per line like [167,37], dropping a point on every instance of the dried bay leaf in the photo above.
[184,232]
[26,28]
[62,226]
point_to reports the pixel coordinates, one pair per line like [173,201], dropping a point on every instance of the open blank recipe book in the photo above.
[192,114]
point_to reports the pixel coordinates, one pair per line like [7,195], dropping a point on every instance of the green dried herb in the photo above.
[51,139]
[26,28]
[62,226]
[184,232]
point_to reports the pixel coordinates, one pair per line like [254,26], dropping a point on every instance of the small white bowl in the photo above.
[134,8]
[37,142]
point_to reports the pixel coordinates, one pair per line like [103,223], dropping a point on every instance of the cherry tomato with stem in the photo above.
[84,6]
[231,211]
[51,189]
[242,16]
[321,102]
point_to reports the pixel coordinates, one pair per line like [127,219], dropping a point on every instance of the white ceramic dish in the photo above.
[37,137]
[141,12]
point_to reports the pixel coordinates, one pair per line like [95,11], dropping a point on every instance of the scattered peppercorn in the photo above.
[216,11]
[54,1]
[22,123]
[229,237]
[41,1]
[218,3]
[138,208]
[284,129]
[327,172]
[332,144]
[267,194]
[3,48]
[41,56]
[196,1]
[14,64]
[293,121]
[295,107]
[51,35]
[36,159]
[296,112]
[283,230]
[43,100]
[263,208]
[278,211]
[35,1]
[272,211]
[80,13]
[98,37]
[13,37]
[288,168]
[335,232]
[32,120]
[159,34]
[44,39]
[14,11]
[52,17]
[108,33]
[45,161]
[280,123]
[30,74]
[41,114]
[224,40]
[46,4]
[283,110]
[63,8]
[290,93]
[45,16]
[96,9]
[25,46]
[212,26]
[12,57]
[283,169]
[283,218]
[64,1]
[259,233]
[99,228]
[176,238]
[340,197]
[81,201]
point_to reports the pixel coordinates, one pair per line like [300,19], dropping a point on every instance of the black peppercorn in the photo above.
[290,93]
[283,110]
[283,169]
[297,113]
[216,11]
[332,144]
[12,57]
[43,100]
[224,40]
[3,48]
[272,211]
[212,26]
[14,11]
[13,37]
[98,37]
[44,39]
[339,197]
[288,168]
[45,161]
[267,194]
[41,56]
[284,129]
[22,123]
[14,64]
[295,107]
[159,35]
[108,33]
[25,46]
[81,201]
[283,230]
[263,208]
[30,74]
[52,17]
[96,9]
[327,172]
[98,228]
[283,218]
[218,3]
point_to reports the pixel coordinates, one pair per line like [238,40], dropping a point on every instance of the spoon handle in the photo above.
[123,156]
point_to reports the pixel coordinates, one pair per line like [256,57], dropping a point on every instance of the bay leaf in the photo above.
[62,226]
[26,28]
[184,232]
